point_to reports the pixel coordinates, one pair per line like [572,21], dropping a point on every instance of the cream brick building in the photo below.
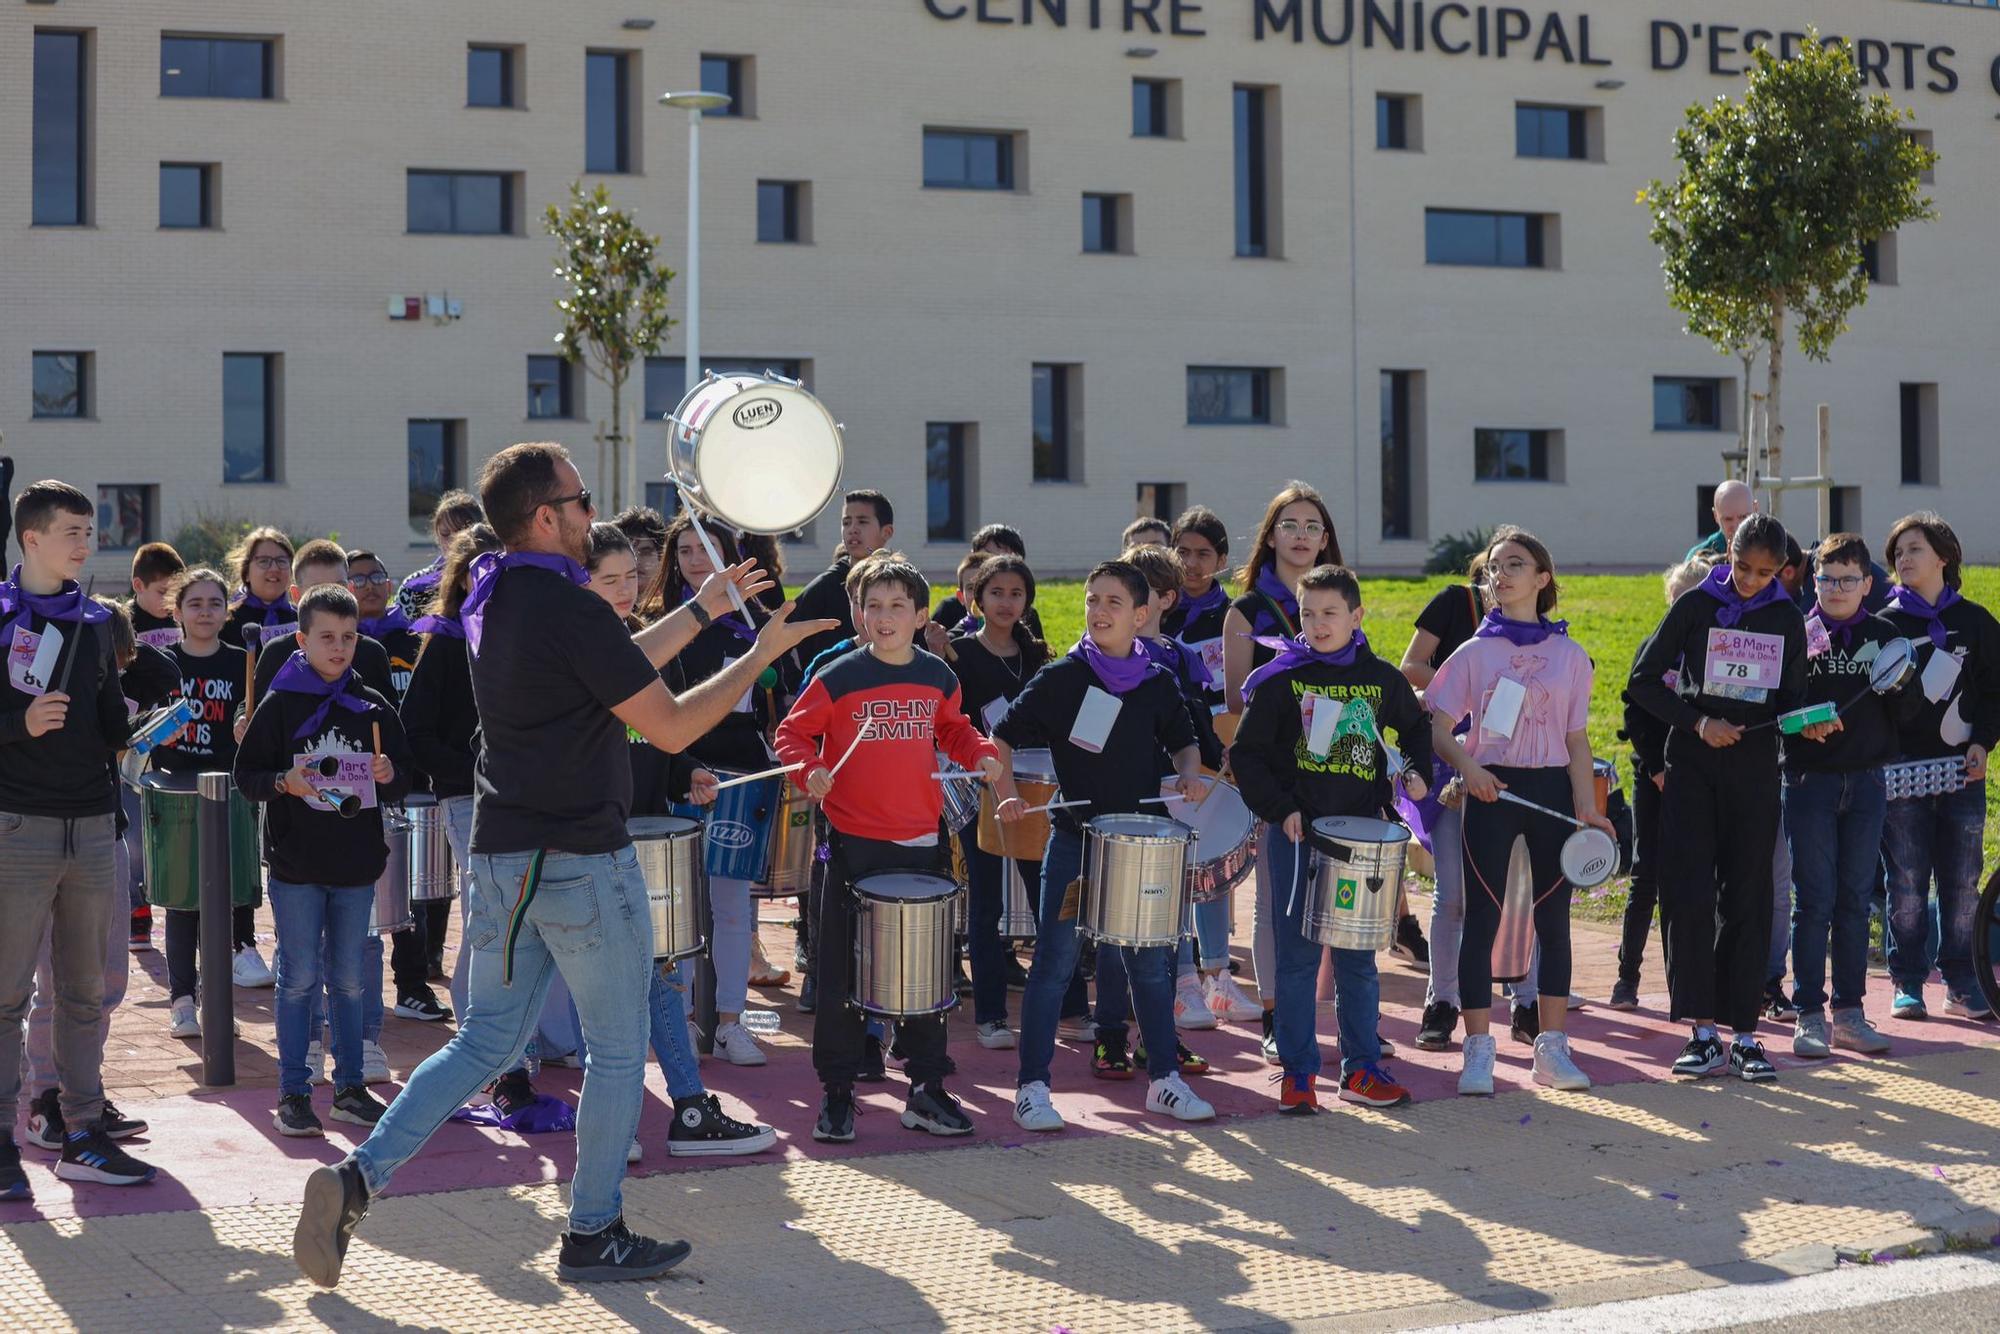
[920,312]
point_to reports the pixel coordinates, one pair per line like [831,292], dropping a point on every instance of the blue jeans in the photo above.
[1208,948]
[1939,838]
[371,989]
[319,927]
[1784,877]
[666,1004]
[589,920]
[985,951]
[1833,825]
[1150,972]
[1357,995]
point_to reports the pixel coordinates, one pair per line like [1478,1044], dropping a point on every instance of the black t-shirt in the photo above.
[737,742]
[825,598]
[150,679]
[67,772]
[242,614]
[1680,646]
[441,716]
[951,611]
[401,646]
[1867,735]
[159,631]
[215,683]
[1452,616]
[1966,711]
[553,770]
[1151,716]
[984,677]
[1267,618]
[1279,776]
[1201,636]
[371,664]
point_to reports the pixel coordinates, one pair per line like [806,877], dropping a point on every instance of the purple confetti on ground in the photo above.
[1938,1172]
[1773,1162]
[1704,1125]
[1526,1119]
[1668,1195]
[1409,1229]
[791,1227]
[1333,1229]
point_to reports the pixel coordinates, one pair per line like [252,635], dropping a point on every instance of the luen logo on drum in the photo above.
[730,834]
[1344,894]
[757,413]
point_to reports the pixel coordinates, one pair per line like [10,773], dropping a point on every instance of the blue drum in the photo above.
[741,825]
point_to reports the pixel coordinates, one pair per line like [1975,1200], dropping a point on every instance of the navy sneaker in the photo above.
[616,1254]
[931,1108]
[836,1117]
[90,1155]
[13,1181]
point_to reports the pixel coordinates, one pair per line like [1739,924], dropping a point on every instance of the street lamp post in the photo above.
[696,104]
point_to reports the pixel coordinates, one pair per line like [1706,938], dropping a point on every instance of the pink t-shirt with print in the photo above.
[1556,677]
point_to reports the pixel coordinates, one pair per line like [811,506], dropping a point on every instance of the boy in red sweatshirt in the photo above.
[877,715]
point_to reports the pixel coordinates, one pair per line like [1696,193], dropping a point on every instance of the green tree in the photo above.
[1776,195]
[613,306]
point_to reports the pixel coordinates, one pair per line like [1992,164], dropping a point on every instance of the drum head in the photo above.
[768,458]
[1219,819]
[644,827]
[421,799]
[1359,829]
[1589,858]
[905,886]
[161,781]
[1138,826]
[1895,663]
[1037,766]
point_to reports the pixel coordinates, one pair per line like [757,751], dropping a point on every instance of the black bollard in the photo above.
[218,917]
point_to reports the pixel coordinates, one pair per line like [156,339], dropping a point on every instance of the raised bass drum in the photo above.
[757,451]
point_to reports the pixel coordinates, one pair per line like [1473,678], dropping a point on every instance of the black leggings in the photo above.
[183,939]
[1645,892]
[1715,875]
[1490,830]
[839,1026]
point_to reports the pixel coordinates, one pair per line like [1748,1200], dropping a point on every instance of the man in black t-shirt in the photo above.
[556,885]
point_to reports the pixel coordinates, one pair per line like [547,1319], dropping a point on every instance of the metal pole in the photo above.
[1824,500]
[218,1009]
[693,322]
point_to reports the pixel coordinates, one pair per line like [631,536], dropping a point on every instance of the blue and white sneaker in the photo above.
[91,1155]
[1908,1005]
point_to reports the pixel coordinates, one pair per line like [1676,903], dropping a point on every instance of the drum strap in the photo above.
[531,880]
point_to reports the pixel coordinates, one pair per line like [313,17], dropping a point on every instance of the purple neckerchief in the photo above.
[971,625]
[545,1115]
[1842,631]
[1195,607]
[1296,653]
[728,621]
[1118,675]
[275,613]
[298,678]
[65,604]
[1721,586]
[448,626]
[1908,600]
[486,571]
[425,578]
[1271,586]
[1518,633]
[377,626]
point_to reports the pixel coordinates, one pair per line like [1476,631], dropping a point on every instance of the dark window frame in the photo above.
[620,155]
[1108,225]
[205,185]
[1262,385]
[1152,108]
[1004,177]
[149,513]
[422,502]
[1687,385]
[562,386]
[267,81]
[652,395]
[269,426]
[1531,131]
[731,84]
[1533,246]
[508,91]
[82,389]
[1251,143]
[1398,457]
[946,449]
[790,213]
[1053,453]
[1392,122]
[507,202]
[1537,442]
[59,174]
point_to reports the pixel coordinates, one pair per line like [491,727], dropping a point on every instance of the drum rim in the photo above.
[163,780]
[1366,842]
[1186,834]
[951,887]
[766,384]
[1039,775]
[1610,846]
[689,825]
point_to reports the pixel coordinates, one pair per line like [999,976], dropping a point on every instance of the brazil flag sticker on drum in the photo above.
[1344,894]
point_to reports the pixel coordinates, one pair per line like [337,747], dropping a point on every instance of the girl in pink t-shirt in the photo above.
[1526,686]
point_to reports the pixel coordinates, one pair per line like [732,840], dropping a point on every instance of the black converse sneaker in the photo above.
[336,1201]
[13,1181]
[1701,1056]
[1269,1042]
[358,1105]
[836,1117]
[45,1121]
[615,1254]
[702,1129]
[1748,1062]
[294,1117]
[1440,1021]
[89,1155]
[931,1108]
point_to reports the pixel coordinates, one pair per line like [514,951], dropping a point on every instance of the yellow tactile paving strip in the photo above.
[1506,1204]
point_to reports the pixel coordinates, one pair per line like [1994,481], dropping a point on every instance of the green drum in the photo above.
[167,806]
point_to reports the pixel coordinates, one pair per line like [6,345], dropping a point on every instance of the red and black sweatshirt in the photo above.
[886,791]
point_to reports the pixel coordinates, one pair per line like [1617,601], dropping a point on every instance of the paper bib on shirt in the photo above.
[1742,664]
[31,659]
[356,778]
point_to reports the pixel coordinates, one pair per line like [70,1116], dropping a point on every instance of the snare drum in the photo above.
[961,795]
[669,848]
[1135,881]
[391,910]
[903,952]
[758,450]
[1603,778]
[1351,904]
[794,843]
[169,849]
[1028,839]
[1225,839]
[741,822]
[430,850]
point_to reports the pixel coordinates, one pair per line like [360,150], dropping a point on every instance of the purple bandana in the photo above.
[1518,633]
[1117,675]
[1909,601]
[544,1116]
[1843,632]
[448,626]
[1196,607]
[66,604]
[298,678]
[275,613]
[1271,586]
[1722,587]
[1295,653]
[377,626]
[486,572]
[425,578]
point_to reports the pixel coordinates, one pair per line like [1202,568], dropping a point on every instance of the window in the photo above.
[1843,509]
[968,160]
[1397,122]
[666,377]
[947,449]
[1923,139]
[607,111]
[1546,131]
[1878,260]
[61,129]
[1160,500]
[727,75]
[187,194]
[1156,108]
[1399,471]
[62,384]
[250,417]
[1229,396]
[1920,434]
[1501,240]
[464,203]
[489,76]
[1704,511]
[1687,403]
[125,516]
[549,387]
[663,498]
[217,67]
[1058,404]
[779,212]
[1253,224]
[435,446]
[1104,224]
[1512,455]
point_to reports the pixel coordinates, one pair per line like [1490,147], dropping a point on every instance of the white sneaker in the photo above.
[1079,1029]
[1475,1076]
[1172,1096]
[1033,1110]
[374,1063]
[250,970]
[1190,1009]
[633,1154]
[734,1044]
[316,1063]
[1553,1066]
[996,1036]
[1227,1001]
[186,1019]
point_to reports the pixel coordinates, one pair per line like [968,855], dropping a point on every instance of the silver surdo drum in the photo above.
[1351,904]
[390,912]
[903,943]
[671,860]
[430,850]
[1135,889]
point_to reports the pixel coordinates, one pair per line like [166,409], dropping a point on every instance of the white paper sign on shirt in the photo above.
[1940,675]
[1503,708]
[1740,660]
[31,659]
[995,713]
[1095,719]
[1210,653]
[742,705]
[355,776]
[1322,719]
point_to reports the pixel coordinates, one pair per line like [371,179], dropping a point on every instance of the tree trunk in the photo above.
[617,444]
[1774,433]
[1748,356]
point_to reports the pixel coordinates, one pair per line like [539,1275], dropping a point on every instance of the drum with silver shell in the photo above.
[1135,881]
[671,859]
[903,954]
[1351,902]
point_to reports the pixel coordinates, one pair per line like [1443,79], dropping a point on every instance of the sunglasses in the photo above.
[582,497]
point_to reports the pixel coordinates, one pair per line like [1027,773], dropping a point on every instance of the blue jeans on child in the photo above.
[1934,837]
[321,933]
[666,1004]
[371,989]
[1833,824]
[1150,973]
[589,918]
[1357,990]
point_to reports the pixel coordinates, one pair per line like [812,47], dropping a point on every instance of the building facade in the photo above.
[1052,262]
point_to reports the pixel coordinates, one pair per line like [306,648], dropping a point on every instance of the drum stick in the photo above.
[859,736]
[375,729]
[716,563]
[1523,801]
[751,778]
[964,775]
[1054,806]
